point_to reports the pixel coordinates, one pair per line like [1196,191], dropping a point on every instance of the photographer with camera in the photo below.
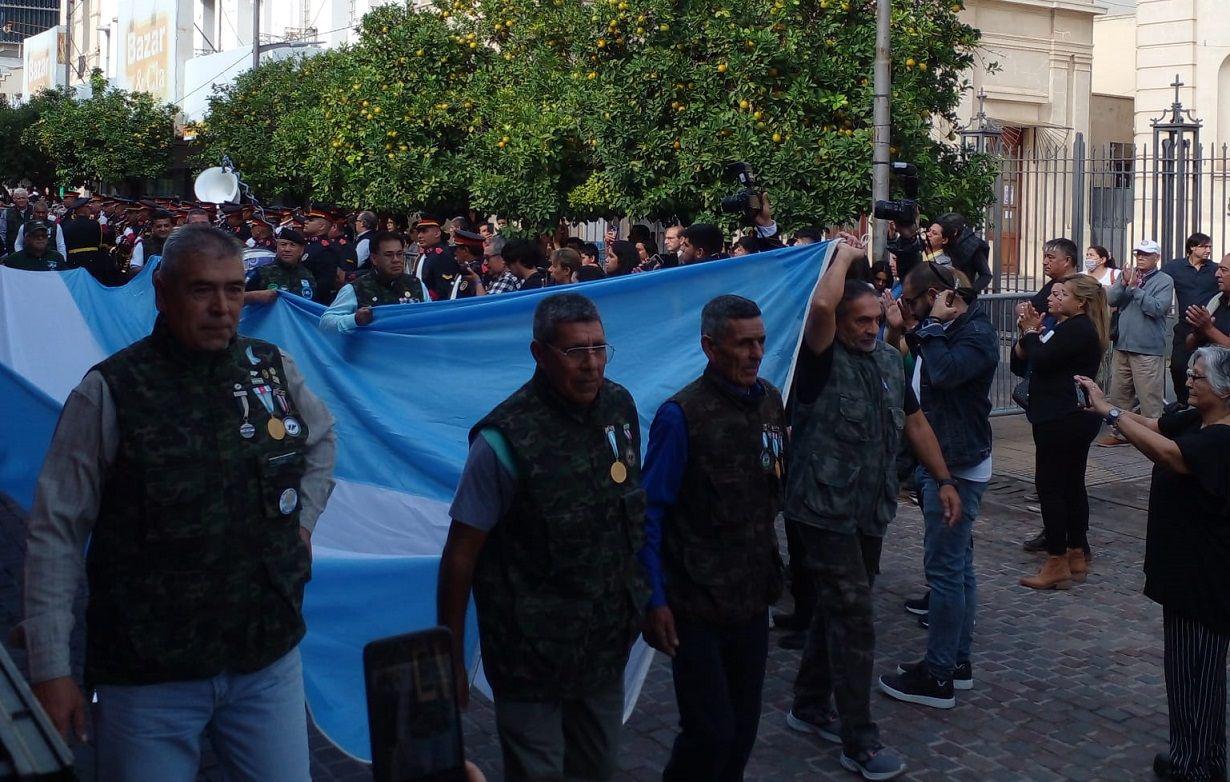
[752,201]
[968,251]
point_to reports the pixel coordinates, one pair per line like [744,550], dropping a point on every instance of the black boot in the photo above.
[1035,545]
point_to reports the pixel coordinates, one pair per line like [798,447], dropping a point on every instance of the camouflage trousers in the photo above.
[839,657]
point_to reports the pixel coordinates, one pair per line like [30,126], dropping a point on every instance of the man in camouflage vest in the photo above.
[547,521]
[383,282]
[286,273]
[195,462]
[714,472]
[851,407]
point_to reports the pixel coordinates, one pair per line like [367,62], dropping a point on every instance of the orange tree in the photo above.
[545,109]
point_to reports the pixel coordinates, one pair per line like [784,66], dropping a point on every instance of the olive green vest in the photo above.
[557,585]
[843,473]
[278,276]
[719,547]
[195,565]
[369,291]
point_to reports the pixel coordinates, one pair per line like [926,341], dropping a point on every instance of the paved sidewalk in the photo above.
[1068,684]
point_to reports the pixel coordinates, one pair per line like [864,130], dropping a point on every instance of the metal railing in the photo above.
[1001,308]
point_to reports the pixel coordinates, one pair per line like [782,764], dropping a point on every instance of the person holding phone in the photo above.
[1063,431]
[956,353]
[1187,550]
[547,521]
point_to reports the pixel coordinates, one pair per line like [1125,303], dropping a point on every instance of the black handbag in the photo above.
[1020,394]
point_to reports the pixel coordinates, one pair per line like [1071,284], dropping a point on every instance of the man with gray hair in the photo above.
[195,462]
[14,217]
[546,535]
[714,475]
[499,278]
[365,224]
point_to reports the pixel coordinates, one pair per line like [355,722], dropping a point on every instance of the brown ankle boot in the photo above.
[1055,574]
[1077,564]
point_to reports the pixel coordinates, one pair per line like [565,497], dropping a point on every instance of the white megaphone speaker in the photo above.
[217,185]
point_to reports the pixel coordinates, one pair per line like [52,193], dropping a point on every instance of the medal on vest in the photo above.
[292,426]
[619,471]
[775,440]
[288,501]
[766,461]
[280,395]
[277,430]
[246,430]
[629,454]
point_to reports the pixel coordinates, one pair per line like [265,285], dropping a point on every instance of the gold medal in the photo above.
[276,429]
[619,473]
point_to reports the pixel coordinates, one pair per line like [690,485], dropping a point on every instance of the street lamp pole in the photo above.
[881,118]
[256,33]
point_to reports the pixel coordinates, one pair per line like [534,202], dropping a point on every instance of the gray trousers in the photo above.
[553,741]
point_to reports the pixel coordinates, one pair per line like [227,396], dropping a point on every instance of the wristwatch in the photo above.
[1112,417]
[949,482]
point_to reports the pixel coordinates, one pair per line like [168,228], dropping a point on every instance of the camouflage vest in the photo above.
[719,547]
[557,584]
[371,292]
[195,565]
[292,279]
[843,473]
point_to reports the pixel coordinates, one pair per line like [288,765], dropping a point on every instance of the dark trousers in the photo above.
[1195,662]
[719,676]
[551,741]
[839,657]
[1179,356]
[802,584]
[1061,451]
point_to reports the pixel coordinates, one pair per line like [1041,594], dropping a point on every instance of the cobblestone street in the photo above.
[1068,685]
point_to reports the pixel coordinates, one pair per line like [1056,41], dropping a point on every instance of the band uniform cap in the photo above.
[468,239]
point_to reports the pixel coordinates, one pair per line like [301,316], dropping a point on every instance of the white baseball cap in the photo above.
[1147,246]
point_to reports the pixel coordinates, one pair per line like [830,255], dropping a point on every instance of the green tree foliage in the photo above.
[543,109]
[22,159]
[112,136]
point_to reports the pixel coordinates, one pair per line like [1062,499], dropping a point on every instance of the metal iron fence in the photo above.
[1001,308]
[1111,195]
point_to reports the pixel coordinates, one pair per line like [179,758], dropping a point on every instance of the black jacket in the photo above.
[1053,358]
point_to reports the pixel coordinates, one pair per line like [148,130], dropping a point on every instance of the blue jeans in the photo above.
[257,723]
[948,560]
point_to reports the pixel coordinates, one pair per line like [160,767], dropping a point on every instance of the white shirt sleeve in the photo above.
[20,241]
[63,248]
[339,316]
[138,256]
[363,250]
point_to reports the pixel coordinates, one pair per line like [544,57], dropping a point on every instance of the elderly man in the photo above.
[547,521]
[286,273]
[386,283]
[195,462]
[1142,294]
[40,210]
[365,229]
[1208,323]
[852,406]
[499,278]
[13,218]
[713,475]
[1195,282]
[36,253]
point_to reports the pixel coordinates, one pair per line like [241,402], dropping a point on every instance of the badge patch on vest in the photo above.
[292,426]
[288,501]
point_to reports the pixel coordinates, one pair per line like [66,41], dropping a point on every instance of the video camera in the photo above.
[903,211]
[750,199]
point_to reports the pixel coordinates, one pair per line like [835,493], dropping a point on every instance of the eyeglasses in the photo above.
[1191,374]
[576,356]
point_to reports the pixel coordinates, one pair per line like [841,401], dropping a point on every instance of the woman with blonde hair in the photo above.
[1063,429]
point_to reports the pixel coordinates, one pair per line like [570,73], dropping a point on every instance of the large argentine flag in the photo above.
[404,393]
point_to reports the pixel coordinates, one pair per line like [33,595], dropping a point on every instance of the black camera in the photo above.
[903,211]
[750,199]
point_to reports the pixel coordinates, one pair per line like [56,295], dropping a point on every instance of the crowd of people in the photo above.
[566,564]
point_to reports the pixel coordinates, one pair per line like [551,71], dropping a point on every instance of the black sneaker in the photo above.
[1035,545]
[919,686]
[962,675]
[1164,770]
[919,606]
